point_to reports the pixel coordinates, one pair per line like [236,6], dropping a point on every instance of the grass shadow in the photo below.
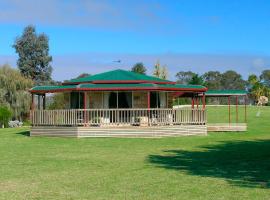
[242,163]
[24,133]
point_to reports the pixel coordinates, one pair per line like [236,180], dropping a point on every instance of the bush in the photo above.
[5,115]
[27,122]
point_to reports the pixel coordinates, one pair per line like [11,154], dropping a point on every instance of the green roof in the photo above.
[226,93]
[104,87]
[117,75]
[119,80]
[53,87]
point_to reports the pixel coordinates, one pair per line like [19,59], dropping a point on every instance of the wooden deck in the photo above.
[126,123]
[131,131]
[226,127]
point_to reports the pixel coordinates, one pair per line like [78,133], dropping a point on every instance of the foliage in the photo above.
[212,80]
[58,101]
[252,79]
[232,80]
[160,71]
[14,91]
[196,80]
[139,68]
[257,87]
[265,77]
[184,77]
[34,59]
[5,115]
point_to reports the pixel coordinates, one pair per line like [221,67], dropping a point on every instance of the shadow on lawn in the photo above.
[25,133]
[241,163]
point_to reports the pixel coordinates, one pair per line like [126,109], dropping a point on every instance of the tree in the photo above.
[139,68]
[14,91]
[256,87]
[196,80]
[34,59]
[5,115]
[157,70]
[252,79]
[184,77]
[265,77]
[258,90]
[212,80]
[160,72]
[164,72]
[232,80]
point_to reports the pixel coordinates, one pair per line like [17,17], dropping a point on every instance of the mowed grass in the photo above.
[217,166]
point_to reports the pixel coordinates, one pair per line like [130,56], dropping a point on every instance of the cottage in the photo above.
[119,103]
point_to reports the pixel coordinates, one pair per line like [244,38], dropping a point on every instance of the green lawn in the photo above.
[218,166]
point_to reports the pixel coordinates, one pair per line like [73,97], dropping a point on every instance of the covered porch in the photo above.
[134,108]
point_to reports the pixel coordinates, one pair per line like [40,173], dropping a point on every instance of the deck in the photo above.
[119,122]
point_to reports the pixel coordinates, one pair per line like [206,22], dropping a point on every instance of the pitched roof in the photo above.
[118,76]
[119,80]
[226,93]
[118,87]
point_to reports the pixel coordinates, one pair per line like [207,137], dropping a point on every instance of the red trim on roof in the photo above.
[122,89]
[120,81]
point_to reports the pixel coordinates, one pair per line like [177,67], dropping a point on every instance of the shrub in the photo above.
[5,115]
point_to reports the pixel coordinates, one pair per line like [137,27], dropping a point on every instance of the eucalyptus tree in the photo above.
[34,59]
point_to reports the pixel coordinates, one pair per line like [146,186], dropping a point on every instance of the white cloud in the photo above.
[116,15]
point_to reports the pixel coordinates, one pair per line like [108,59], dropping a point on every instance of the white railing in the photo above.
[118,117]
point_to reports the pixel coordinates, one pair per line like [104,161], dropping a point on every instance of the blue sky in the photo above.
[197,35]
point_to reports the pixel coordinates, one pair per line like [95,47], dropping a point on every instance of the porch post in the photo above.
[32,108]
[245,108]
[148,107]
[167,99]
[192,100]
[148,100]
[203,100]
[197,102]
[236,107]
[229,104]
[33,102]
[84,107]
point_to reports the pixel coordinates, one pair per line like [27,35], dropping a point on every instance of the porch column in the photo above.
[148,100]
[148,107]
[245,108]
[84,107]
[236,109]
[197,102]
[192,102]
[203,101]
[32,108]
[33,102]
[229,104]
